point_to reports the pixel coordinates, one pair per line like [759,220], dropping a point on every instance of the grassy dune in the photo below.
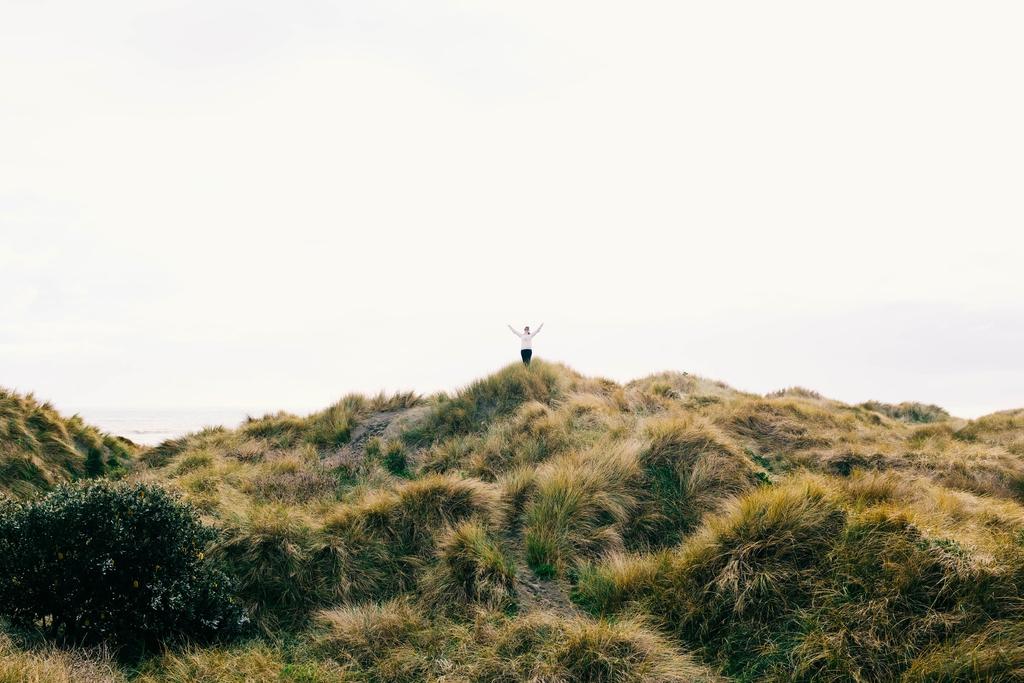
[40,448]
[541,525]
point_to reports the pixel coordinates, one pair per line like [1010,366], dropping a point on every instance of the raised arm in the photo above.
[539,328]
[514,332]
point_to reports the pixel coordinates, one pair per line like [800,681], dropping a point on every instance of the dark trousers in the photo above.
[526,353]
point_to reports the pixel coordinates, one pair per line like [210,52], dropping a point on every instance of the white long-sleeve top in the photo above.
[526,337]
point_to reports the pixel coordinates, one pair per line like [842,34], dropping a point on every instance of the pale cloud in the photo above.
[271,203]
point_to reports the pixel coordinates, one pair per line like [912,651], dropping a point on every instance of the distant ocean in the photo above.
[150,427]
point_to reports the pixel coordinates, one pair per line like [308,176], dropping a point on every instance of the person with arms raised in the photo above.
[526,350]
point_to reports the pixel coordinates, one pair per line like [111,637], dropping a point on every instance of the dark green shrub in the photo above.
[115,563]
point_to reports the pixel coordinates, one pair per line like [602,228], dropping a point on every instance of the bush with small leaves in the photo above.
[120,564]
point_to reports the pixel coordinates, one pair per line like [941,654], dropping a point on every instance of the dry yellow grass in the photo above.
[51,665]
[394,642]
[703,532]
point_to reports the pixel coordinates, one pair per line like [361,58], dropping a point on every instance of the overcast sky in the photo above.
[270,204]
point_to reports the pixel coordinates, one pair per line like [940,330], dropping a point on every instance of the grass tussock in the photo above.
[376,547]
[1004,429]
[895,592]
[325,429]
[689,468]
[533,434]
[739,574]
[516,487]
[963,464]
[47,664]
[409,515]
[40,448]
[268,549]
[254,662]
[908,411]
[493,397]
[295,476]
[288,562]
[797,392]
[819,579]
[395,642]
[472,569]
[580,507]
[302,462]
[667,389]
[781,424]
[995,653]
